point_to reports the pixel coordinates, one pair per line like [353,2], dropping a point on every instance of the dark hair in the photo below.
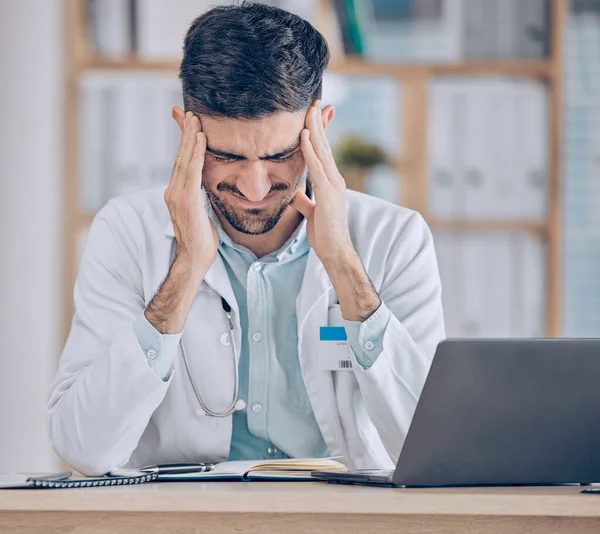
[250,60]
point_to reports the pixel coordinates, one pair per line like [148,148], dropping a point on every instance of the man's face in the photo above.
[253,169]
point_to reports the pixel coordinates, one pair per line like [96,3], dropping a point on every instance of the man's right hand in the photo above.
[197,238]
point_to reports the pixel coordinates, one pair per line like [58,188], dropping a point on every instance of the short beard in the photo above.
[241,224]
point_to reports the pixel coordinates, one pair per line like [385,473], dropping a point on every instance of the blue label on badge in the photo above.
[333,333]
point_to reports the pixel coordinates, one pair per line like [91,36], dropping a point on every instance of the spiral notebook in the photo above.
[67,480]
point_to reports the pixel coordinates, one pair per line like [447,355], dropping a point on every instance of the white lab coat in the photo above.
[108,409]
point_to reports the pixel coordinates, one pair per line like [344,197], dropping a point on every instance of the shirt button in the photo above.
[272,450]
[151,354]
[256,407]
[257,266]
[369,345]
[257,336]
[225,340]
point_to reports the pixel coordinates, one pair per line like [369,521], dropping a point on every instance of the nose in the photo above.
[253,182]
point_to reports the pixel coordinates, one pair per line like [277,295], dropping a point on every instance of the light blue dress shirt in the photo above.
[278,421]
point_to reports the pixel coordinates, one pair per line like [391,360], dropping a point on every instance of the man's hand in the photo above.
[196,235]
[327,223]
[326,218]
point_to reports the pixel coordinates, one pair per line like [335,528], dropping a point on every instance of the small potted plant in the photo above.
[355,157]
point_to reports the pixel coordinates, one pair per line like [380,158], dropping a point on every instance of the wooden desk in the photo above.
[290,508]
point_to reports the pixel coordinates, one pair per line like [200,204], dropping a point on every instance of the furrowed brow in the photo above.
[229,155]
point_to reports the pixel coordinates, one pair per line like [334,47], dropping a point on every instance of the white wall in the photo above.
[31,154]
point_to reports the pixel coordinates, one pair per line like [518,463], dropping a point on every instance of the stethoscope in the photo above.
[236,404]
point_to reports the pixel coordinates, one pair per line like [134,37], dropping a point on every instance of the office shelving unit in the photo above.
[412,162]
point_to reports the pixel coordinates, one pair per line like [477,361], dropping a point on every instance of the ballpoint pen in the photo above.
[174,469]
[165,469]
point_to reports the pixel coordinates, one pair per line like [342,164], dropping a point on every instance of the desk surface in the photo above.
[227,504]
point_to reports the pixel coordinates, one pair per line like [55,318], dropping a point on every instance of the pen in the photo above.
[164,469]
[174,469]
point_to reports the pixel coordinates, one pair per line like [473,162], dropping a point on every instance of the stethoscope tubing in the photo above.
[234,401]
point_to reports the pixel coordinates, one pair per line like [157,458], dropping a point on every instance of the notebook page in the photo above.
[299,464]
[286,466]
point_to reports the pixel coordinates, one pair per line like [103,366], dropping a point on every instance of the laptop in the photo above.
[501,412]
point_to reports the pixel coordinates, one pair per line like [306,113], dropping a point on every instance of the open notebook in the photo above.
[284,469]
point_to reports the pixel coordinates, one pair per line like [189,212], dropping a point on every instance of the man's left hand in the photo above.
[327,223]
[326,218]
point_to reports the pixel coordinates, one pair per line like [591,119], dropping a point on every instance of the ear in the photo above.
[328,112]
[179,115]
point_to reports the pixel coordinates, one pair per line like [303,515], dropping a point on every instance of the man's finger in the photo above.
[303,204]
[177,163]
[190,141]
[315,121]
[315,169]
[322,149]
[321,127]
[194,172]
[191,126]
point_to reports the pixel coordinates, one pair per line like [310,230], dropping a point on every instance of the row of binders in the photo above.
[443,30]
[489,160]
[382,30]
[493,283]
[488,149]
[128,137]
[155,29]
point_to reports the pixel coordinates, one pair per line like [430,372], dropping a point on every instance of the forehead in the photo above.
[254,138]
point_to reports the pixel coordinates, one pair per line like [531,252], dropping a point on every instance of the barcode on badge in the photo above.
[344,364]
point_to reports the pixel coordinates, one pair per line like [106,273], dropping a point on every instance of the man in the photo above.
[227,276]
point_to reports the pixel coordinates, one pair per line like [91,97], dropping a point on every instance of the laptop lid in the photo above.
[506,411]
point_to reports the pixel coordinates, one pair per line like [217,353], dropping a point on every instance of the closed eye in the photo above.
[228,160]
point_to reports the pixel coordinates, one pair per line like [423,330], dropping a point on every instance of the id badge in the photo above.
[334,350]
[335,353]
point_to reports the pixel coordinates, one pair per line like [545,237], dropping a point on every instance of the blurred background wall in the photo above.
[31,224]
[449,107]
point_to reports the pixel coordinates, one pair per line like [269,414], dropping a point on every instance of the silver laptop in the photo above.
[501,412]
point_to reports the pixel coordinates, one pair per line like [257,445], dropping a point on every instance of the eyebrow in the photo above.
[282,153]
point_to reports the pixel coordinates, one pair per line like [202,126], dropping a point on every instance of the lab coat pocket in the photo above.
[348,396]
